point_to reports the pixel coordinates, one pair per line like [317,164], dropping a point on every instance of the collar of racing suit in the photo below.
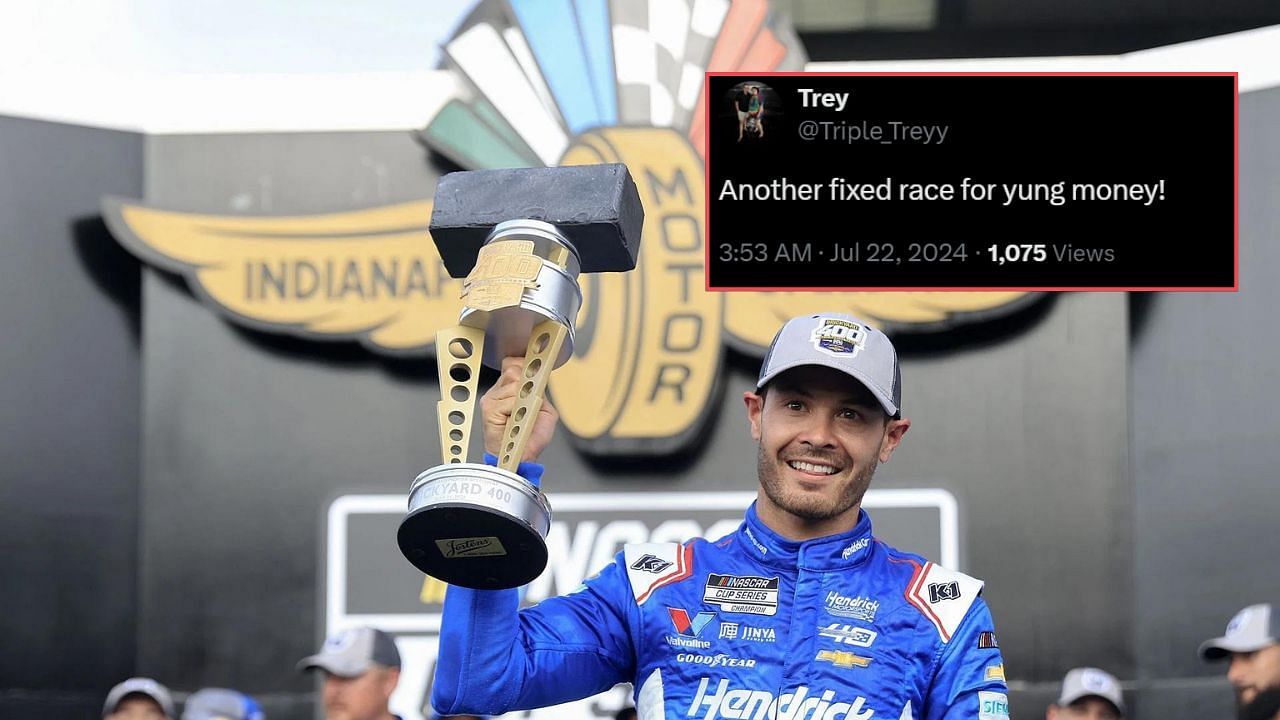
[833,552]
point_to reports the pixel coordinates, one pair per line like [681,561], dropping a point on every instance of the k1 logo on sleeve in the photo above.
[944,591]
[651,564]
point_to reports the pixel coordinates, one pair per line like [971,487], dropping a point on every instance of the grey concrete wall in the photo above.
[249,435]
[69,420]
[1204,426]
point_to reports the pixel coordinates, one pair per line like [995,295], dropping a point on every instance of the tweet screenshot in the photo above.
[1106,181]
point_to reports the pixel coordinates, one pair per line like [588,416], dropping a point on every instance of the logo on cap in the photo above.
[838,337]
[1239,621]
[1095,681]
[340,642]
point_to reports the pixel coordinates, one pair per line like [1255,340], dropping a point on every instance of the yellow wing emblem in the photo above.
[372,275]
[751,319]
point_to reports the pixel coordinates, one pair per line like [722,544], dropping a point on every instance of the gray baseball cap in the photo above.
[841,342]
[139,686]
[1091,682]
[221,704]
[1251,629]
[352,652]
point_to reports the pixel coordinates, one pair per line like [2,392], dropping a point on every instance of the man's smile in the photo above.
[813,468]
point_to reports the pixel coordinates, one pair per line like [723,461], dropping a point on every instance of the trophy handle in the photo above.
[543,349]
[458,352]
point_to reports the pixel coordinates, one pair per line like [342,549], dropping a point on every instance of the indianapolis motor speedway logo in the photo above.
[629,90]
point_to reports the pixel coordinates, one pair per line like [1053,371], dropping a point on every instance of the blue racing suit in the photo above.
[751,626]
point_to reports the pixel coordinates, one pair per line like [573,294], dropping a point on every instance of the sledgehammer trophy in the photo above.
[520,237]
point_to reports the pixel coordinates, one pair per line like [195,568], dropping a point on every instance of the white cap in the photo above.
[221,704]
[841,342]
[139,686]
[352,652]
[1249,630]
[1091,682]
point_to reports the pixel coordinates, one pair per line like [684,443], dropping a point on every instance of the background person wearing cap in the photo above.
[221,704]
[138,699]
[1250,642]
[361,668]
[705,629]
[1088,694]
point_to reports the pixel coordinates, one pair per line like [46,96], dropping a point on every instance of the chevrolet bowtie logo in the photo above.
[842,659]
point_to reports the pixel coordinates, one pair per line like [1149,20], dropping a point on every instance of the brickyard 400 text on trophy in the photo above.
[520,237]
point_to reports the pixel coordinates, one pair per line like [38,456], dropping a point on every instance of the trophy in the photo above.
[520,237]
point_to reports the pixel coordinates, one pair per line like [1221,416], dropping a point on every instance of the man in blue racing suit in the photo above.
[801,614]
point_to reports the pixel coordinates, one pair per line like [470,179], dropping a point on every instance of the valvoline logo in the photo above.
[685,626]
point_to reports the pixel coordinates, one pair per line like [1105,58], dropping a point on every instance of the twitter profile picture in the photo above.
[755,107]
